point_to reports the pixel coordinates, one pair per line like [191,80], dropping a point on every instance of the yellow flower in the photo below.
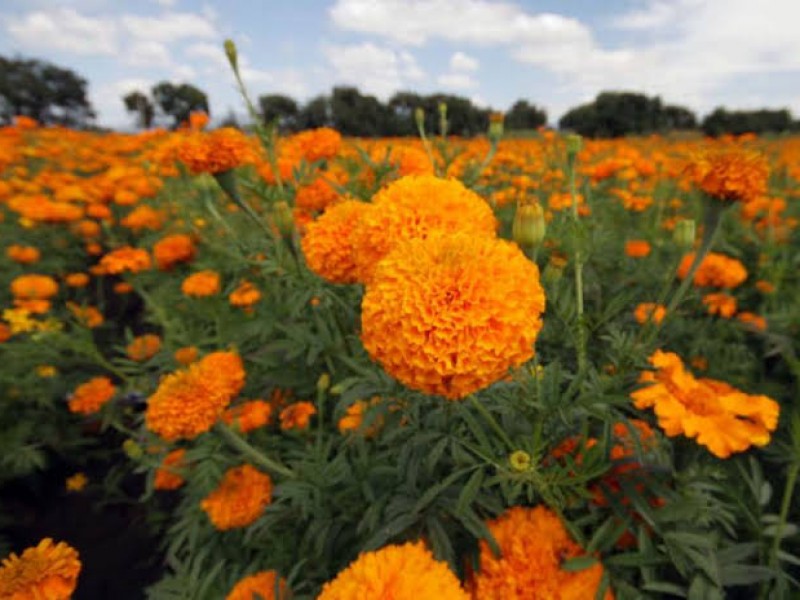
[76,482]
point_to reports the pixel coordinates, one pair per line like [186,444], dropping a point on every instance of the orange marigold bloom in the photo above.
[125,259]
[245,296]
[720,417]
[315,196]
[48,571]
[720,304]
[173,249]
[753,319]
[716,270]
[248,415]
[731,174]
[198,120]
[297,415]
[354,417]
[87,315]
[186,355]
[400,572]
[328,242]
[259,586]
[451,314]
[216,151]
[240,498]
[168,475]
[412,208]
[201,284]
[24,255]
[533,544]
[765,287]
[77,280]
[646,311]
[90,397]
[5,332]
[76,483]
[143,217]
[34,287]
[189,402]
[143,347]
[637,248]
[316,144]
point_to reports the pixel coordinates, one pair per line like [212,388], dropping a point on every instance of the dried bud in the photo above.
[230,52]
[529,226]
[684,233]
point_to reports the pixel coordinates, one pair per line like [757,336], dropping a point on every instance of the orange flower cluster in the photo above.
[315,196]
[24,255]
[647,311]
[76,280]
[297,415]
[143,217]
[245,295]
[720,417]
[47,571]
[259,586]
[33,292]
[143,347]
[248,415]
[720,304]
[90,316]
[354,417]
[240,498]
[189,402]
[201,284]
[400,572]
[124,260]
[172,250]
[90,397]
[216,151]
[328,242]
[716,270]
[752,319]
[316,144]
[533,544]
[451,314]
[168,475]
[186,355]
[731,175]
[637,248]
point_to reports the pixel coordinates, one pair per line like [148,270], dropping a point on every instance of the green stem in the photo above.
[491,421]
[238,442]
[788,492]
[427,145]
[581,324]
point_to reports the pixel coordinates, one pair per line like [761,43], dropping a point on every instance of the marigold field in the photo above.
[434,368]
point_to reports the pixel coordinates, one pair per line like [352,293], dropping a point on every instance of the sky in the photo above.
[554,53]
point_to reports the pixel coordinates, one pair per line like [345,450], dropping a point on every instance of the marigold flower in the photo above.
[731,175]
[5,332]
[753,319]
[48,570]
[172,250]
[328,242]
[315,196]
[716,270]
[245,296]
[122,287]
[353,418]
[216,151]
[533,544]
[46,371]
[201,284]
[765,287]
[186,355]
[647,311]
[198,120]
[125,259]
[720,304]
[76,280]
[451,314]
[316,144]
[189,402]
[259,586]
[76,483]
[143,217]
[240,498]
[90,397]
[248,415]
[637,248]
[720,417]
[297,415]
[412,208]
[24,255]
[34,287]
[143,347]
[89,316]
[168,475]
[401,572]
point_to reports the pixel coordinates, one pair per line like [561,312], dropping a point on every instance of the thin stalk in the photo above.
[238,442]
[427,145]
[580,342]
[786,502]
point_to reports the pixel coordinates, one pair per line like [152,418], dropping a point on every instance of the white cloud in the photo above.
[459,81]
[169,27]
[65,30]
[166,3]
[463,62]
[146,54]
[212,53]
[374,69]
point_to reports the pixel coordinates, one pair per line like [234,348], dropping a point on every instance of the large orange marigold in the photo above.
[48,571]
[401,572]
[172,250]
[259,586]
[90,397]
[328,242]
[732,174]
[201,284]
[414,207]
[718,416]
[189,402]
[451,314]
[125,259]
[533,544]
[716,270]
[240,498]
[216,151]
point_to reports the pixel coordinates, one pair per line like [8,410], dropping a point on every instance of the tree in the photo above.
[315,113]
[525,116]
[43,91]
[722,121]
[280,109]
[141,106]
[358,115]
[179,101]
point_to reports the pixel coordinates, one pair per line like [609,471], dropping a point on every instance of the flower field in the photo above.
[534,368]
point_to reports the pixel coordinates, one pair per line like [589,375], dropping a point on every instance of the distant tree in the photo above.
[179,101]
[281,109]
[46,92]
[401,113]
[358,115]
[231,120]
[525,116]
[678,117]
[315,113]
[722,121]
[141,106]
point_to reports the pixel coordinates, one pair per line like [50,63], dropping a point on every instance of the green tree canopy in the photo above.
[179,101]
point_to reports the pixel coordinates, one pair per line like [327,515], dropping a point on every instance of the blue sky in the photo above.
[557,54]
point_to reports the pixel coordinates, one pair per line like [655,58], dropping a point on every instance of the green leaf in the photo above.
[579,563]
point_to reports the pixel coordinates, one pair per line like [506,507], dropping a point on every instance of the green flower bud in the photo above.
[324,382]
[132,449]
[283,218]
[419,117]
[529,226]
[574,144]
[520,461]
[230,52]
[496,126]
[684,234]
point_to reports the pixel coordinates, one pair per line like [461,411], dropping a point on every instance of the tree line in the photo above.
[56,95]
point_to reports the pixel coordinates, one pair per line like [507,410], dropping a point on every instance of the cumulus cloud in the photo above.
[65,30]
[169,27]
[375,69]
[458,81]
[463,62]
[145,54]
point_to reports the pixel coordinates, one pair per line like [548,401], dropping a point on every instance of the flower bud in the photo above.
[419,117]
[230,52]
[324,382]
[520,461]
[496,126]
[132,449]
[684,233]
[554,269]
[529,226]
[574,144]
[283,218]
[443,118]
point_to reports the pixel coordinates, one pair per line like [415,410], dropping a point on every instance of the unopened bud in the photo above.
[230,52]
[574,144]
[496,126]
[554,269]
[520,461]
[132,449]
[684,233]
[324,382]
[283,218]
[419,117]
[529,226]
[443,118]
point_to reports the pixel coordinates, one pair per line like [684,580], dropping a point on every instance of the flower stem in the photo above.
[786,502]
[487,416]
[238,442]
[580,343]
